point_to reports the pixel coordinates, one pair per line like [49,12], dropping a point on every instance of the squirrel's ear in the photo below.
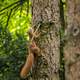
[30,32]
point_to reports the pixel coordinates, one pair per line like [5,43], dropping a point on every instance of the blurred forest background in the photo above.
[15,18]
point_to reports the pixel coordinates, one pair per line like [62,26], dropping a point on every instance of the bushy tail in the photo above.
[26,68]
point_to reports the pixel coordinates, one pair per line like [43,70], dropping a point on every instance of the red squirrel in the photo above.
[33,50]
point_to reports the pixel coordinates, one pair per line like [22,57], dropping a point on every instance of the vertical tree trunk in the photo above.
[46,14]
[72,47]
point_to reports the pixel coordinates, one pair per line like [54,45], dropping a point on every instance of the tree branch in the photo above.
[8,18]
[9,6]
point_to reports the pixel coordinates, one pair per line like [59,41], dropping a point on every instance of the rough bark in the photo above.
[72,47]
[46,13]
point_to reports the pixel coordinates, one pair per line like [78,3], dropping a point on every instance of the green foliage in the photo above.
[14,22]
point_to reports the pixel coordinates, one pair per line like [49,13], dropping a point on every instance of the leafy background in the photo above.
[15,19]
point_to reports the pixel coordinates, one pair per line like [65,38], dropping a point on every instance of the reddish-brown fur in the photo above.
[26,68]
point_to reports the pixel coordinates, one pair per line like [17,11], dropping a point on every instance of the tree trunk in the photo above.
[46,14]
[72,47]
